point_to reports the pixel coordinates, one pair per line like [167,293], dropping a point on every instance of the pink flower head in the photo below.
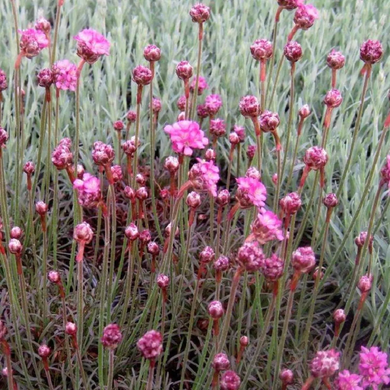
[3,81]
[267,227]
[213,103]
[207,255]
[261,50]
[347,381]
[385,172]
[152,53]
[230,381]
[272,268]
[365,283]
[181,103]
[200,13]
[221,264]
[304,111]
[83,233]
[240,131]
[333,98]
[91,45]
[204,176]
[43,25]
[325,363]
[32,42]
[156,105]
[371,51]
[3,137]
[339,316]
[251,151]
[315,158]
[269,121]
[202,85]
[150,344]
[217,127]
[45,78]
[112,336]
[102,154]
[249,106]
[291,203]
[303,259]
[215,310]
[184,70]
[373,367]
[361,239]
[293,51]
[62,156]
[251,256]
[252,190]
[305,16]
[65,75]
[202,111]
[88,190]
[142,75]
[335,59]
[221,362]
[186,136]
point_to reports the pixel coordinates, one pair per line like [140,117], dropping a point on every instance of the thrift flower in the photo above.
[32,42]
[252,190]
[251,256]
[88,190]
[150,344]
[266,227]
[213,103]
[186,136]
[91,45]
[305,16]
[112,336]
[325,363]
[348,381]
[204,176]
[202,85]
[65,75]
[371,51]
[373,367]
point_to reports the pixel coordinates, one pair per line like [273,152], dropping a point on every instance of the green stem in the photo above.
[356,132]
[110,369]
[80,304]
[195,94]
[111,292]
[44,275]
[57,22]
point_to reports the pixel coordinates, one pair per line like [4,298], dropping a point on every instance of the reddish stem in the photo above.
[19,60]
[256,124]
[334,77]
[308,383]
[292,33]
[80,252]
[277,15]
[263,72]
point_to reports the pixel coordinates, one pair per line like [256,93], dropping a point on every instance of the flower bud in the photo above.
[150,345]
[261,50]
[3,81]
[41,208]
[45,78]
[162,281]
[119,125]
[223,198]
[142,193]
[152,53]
[80,171]
[131,116]
[202,111]
[215,310]
[200,13]
[333,98]
[251,256]
[131,232]
[230,381]
[112,336]
[249,106]
[3,137]
[142,75]
[156,105]
[184,70]
[15,246]
[181,103]
[269,121]
[234,139]
[251,151]
[217,127]
[221,264]
[303,259]
[304,111]
[153,248]
[291,203]
[145,236]
[129,193]
[29,168]
[181,116]
[44,351]
[330,200]
[171,165]
[339,316]
[16,232]
[361,238]
[53,276]
[253,173]
[244,341]
[335,59]
[213,103]
[102,153]
[43,25]
[221,362]
[371,51]
[365,283]
[315,158]
[293,51]
[193,200]
[286,376]
[71,329]
[207,255]
[210,155]
[83,233]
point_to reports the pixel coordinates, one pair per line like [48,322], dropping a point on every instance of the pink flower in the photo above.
[62,156]
[303,259]
[305,16]
[150,344]
[267,227]
[230,381]
[371,51]
[204,176]
[202,85]
[213,103]
[91,45]
[253,189]
[325,363]
[373,367]
[112,336]
[186,136]
[65,75]
[32,42]
[272,268]
[385,172]
[348,381]
[251,256]
[88,190]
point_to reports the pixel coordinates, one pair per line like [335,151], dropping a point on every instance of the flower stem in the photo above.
[356,132]
[56,25]
[195,95]
[150,376]
[137,127]
[110,369]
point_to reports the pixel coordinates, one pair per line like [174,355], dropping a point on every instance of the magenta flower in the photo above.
[213,103]
[305,16]
[325,363]
[202,85]
[186,136]
[32,42]
[373,367]
[204,176]
[65,75]
[251,256]
[348,381]
[266,227]
[91,45]
[253,189]
[112,336]
[150,344]
[88,190]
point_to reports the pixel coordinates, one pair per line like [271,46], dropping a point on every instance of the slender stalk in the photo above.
[189,334]
[80,304]
[212,206]
[195,95]
[262,337]
[99,223]
[280,63]
[290,174]
[49,381]
[44,274]
[103,284]
[137,127]
[278,184]
[81,367]
[7,354]
[150,376]
[56,25]
[110,369]
[290,119]
[48,155]
[356,132]
[112,204]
